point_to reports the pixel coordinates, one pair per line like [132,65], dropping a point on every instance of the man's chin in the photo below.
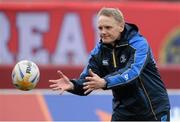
[107,41]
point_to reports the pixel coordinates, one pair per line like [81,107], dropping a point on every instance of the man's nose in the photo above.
[103,31]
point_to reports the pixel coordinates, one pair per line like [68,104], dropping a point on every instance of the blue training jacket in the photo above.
[130,72]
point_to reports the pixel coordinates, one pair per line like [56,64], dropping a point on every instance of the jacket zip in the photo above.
[145,91]
[114,58]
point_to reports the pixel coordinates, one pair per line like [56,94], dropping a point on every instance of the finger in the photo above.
[89,83]
[60,73]
[56,88]
[54,81]
[91,73]
[53,85]
[89,78]
[87,91]
[85,87]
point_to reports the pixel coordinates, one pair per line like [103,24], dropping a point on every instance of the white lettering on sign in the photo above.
[6,56]
[70,47]
[31,27]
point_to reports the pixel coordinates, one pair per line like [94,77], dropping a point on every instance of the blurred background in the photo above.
[58,35]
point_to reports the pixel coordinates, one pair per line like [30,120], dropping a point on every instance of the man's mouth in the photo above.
[105,36]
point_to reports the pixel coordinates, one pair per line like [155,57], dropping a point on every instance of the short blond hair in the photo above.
[112,12]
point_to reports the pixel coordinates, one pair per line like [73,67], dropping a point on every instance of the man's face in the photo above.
[109,29]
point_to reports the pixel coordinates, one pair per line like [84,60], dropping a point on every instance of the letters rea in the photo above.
[70,47]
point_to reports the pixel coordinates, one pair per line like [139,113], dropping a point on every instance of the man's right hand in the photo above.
[62,84]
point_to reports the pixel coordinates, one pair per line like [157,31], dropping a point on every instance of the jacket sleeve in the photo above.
[131,72]
[92,64]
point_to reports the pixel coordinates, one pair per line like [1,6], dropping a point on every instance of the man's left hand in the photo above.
[93,82]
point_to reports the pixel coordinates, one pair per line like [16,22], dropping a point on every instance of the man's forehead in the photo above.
[106,20]
[102,17]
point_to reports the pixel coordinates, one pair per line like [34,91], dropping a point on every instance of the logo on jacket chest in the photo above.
[105,62]
[123,58]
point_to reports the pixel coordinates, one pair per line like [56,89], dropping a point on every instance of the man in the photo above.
[122,61]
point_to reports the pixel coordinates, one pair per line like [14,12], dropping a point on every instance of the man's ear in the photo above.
[121,26]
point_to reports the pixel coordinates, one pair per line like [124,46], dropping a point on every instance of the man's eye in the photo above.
[108,27]
[100,28]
